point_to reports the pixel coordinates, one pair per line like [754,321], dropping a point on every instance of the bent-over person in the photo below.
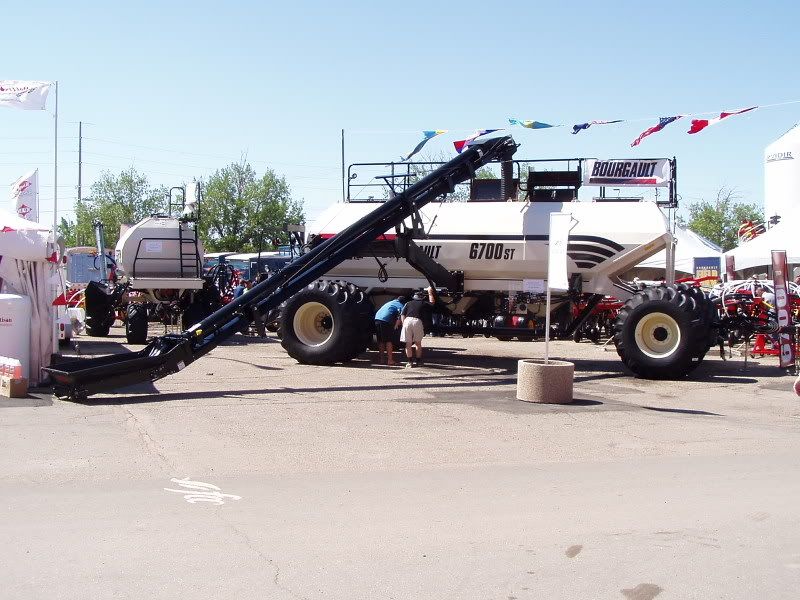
[414,315]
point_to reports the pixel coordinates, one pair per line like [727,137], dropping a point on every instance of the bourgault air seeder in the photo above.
[482,253]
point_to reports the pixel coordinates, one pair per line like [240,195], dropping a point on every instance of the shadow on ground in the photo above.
[457,376]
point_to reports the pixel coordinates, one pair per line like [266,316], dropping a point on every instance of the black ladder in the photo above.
[189,261]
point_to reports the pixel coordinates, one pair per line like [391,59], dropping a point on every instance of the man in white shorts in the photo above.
[413,316]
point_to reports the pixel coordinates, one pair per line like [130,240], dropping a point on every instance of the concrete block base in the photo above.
[549,383]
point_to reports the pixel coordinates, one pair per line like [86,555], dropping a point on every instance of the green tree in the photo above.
[719,220]
[67,230]
[242,212]
[115,200]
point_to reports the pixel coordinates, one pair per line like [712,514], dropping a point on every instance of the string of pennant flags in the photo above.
[696,126]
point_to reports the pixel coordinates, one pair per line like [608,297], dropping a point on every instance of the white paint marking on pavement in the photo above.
[197,491]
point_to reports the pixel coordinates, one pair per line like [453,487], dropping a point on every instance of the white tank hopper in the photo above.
[782,174]
[15,329]
[497,245]
[150,252]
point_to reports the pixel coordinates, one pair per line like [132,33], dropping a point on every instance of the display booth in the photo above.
[28,267]
[695,256]
[755,256]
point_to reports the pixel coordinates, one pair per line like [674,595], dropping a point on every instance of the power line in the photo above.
[215,156]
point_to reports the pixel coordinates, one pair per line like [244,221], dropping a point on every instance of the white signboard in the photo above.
[557,277]
[533,286]
[627,172]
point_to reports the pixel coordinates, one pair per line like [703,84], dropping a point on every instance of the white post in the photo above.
[55,166]
[54,288]
[547,326]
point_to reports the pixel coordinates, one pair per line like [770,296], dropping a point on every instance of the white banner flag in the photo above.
[560,226]
[25,195]
[27,95]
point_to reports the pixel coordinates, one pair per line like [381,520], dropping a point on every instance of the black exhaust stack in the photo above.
[507,188]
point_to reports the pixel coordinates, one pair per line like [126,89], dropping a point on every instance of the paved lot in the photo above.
[370,482]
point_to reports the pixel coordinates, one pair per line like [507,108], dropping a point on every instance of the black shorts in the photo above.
[387,332]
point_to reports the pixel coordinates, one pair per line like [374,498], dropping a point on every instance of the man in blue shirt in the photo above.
[239,289]
[387,324]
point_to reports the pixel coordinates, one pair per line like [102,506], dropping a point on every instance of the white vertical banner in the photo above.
[783,307]
[25,195]
[557,276]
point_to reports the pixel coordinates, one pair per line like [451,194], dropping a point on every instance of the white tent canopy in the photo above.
[758,252]
[689,246]
[27,268]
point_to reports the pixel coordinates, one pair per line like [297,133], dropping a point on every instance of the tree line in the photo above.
[240,211]
[718,220]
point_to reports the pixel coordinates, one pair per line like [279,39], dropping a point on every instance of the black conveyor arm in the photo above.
[171,353]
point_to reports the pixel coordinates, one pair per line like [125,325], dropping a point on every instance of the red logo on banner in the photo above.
[23,185]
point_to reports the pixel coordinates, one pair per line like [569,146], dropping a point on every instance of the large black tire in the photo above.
[99,309]
[136,323]
[326,323]
[664,332]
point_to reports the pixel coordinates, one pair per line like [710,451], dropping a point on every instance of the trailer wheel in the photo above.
[663,333]
[136,323]
[273,319]
[99,309]
[326,323]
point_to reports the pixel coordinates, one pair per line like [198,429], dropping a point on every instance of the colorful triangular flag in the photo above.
[581,126]
[530,124]
[461,144]
[426,135]
[699,124]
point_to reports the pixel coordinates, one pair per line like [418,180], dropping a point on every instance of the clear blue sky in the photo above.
[210,81]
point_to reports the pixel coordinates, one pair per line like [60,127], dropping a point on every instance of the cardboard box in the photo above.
[13,388]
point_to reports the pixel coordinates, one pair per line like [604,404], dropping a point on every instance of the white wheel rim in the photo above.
[657,335]
[313,324]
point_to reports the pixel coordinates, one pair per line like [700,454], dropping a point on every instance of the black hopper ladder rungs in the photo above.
[188,260]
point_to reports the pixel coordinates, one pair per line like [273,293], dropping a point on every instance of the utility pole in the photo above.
[80,162]
[344,193]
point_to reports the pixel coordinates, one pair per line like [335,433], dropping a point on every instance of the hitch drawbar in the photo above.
[170,353]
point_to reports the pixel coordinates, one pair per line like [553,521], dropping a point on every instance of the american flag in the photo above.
[662,122]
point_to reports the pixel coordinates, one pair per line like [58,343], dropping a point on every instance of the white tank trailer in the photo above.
[495,244]
[160,274]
